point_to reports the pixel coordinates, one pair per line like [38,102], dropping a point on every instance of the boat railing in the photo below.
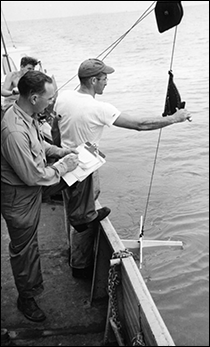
[132,314]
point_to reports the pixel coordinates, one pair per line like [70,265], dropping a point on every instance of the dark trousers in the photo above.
[21,208]
[80,203]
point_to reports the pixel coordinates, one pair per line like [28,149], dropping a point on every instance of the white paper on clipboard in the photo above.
[88,163]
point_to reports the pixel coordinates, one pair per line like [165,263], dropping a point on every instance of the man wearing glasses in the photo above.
[82,118]
[25,176]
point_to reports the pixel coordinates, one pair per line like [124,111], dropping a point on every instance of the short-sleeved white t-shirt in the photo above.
[83,118]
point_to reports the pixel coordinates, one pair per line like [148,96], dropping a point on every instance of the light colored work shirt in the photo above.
[24,151]
[82,117]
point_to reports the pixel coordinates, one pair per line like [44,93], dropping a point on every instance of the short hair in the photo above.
[33,82]
[86,80]
[28,60]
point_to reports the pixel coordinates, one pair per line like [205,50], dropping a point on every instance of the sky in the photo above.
[27,10]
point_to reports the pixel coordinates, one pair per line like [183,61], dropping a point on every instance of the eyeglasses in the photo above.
[48,99]
[103,79]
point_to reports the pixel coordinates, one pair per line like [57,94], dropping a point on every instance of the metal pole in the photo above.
[6,54]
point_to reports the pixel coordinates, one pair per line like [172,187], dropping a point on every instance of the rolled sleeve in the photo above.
[108,113]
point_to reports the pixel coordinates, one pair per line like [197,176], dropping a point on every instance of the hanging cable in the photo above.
[158,144]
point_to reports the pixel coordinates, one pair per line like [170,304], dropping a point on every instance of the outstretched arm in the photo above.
[151,123]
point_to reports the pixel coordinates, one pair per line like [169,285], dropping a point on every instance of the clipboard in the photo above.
[90,160]
[93,149]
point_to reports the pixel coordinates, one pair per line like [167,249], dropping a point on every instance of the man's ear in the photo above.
[33,99]
[94,80]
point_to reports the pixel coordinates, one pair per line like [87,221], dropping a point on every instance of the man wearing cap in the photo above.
[82,118]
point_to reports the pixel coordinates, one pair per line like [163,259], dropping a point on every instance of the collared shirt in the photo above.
[24,151]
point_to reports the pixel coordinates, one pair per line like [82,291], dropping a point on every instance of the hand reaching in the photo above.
[182,115]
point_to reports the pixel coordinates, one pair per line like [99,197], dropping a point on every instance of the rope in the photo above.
[116,43]
[158,144]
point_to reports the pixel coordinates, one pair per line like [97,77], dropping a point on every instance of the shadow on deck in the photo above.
[71,320]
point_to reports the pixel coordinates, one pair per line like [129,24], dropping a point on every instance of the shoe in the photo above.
[80,227]
[30,309]
[85,273]
[102,213]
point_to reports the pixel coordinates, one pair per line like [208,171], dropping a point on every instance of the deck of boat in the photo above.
[71,320]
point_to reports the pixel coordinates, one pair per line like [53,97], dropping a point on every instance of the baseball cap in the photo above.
[92,67]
